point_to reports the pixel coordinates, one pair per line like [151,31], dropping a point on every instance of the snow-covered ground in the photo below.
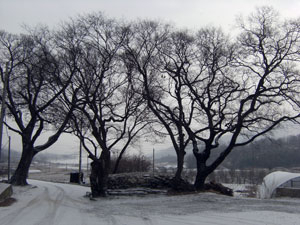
[48,203]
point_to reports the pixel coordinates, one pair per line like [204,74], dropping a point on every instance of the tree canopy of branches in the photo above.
[148,54]
[37,80]
[222,90]
[109,114]
[203,87]
[251,85]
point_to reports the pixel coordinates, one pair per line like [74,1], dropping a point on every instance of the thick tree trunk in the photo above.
[97,179]
[200,180]
[202,171]
[21,174]
[177,183]
[99,175]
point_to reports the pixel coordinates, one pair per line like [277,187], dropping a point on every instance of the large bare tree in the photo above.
[37,79]
[109,114]
[242,90]
[206,88]
[149,52]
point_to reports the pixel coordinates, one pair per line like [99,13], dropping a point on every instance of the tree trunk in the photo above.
[177,183]
[21,174]
[202,171]
[180,162]
[116,167]
[96,179]
[200,180]
[99,175]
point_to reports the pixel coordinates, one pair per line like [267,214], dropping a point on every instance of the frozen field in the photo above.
[55,203]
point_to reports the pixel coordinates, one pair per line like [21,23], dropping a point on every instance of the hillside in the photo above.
[264,153]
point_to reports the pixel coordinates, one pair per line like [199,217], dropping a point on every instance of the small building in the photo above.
[280,184]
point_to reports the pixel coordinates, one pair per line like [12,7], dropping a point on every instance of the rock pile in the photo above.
[161,182]
[133,180]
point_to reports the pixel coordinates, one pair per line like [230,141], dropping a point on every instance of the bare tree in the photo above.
[149,53]
[109,114]
[204,88]
[243,90]
[36,80]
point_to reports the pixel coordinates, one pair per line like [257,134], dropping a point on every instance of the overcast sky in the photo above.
[192,14]
[183,13]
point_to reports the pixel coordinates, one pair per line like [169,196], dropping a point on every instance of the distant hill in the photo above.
[42,157]
[264,153]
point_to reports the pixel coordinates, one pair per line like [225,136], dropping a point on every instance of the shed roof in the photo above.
[274,180]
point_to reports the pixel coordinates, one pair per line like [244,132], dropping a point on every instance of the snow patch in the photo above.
[34,171]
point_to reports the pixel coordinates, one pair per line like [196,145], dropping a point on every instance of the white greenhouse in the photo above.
[280,184]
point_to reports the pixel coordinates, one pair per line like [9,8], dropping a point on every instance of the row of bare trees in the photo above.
[110,83]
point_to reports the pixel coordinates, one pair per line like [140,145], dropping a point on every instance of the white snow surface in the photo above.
[48,203]
[273,181]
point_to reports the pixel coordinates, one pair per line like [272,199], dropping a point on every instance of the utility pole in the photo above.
[80,154]
[153,160]
[87,164]
[2,113]
[8,160]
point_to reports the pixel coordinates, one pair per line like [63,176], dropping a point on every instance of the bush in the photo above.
[132,163]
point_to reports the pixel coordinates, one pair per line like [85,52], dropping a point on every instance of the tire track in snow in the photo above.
[52,202]
[23,211]
[42,209]
[214,219]
[61,207]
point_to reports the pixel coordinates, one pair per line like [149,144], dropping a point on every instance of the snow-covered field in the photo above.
[48,203]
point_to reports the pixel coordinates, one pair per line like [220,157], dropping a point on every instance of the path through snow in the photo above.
[64,204]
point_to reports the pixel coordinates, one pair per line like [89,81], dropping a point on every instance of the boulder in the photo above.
[5,191]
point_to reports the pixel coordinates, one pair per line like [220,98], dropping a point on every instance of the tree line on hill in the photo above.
[267,153]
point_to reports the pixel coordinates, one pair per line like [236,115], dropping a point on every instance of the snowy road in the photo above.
[58,204]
